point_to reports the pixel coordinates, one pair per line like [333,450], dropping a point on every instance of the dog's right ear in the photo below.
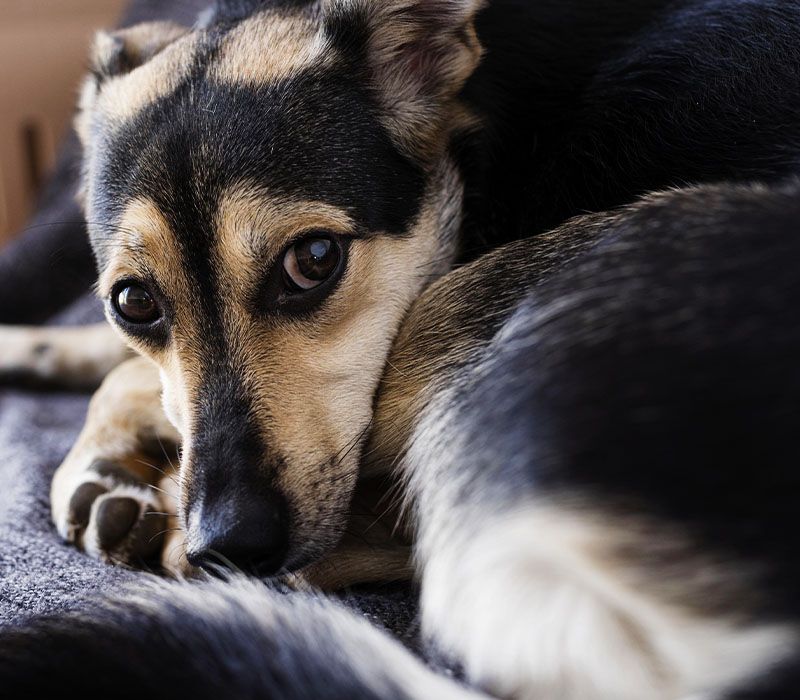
[119,52]
[417,55]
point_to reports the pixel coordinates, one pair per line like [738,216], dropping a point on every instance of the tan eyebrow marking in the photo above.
[253,226]
[143,242]
[269,47]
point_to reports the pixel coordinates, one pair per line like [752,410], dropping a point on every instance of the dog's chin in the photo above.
[310,548]
[300,560]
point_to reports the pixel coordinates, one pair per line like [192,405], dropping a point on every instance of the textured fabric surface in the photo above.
[45,275]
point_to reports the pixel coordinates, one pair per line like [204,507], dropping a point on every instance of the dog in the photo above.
[365,255]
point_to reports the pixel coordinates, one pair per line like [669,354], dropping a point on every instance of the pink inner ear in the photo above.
[417,59]
[438,36]
[426,59]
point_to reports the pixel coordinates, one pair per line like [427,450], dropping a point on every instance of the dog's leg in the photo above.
[512,588]
[114,495]
[374,549]
[355,563]
[74,357]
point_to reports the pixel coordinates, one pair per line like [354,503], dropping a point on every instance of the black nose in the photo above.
[245,530]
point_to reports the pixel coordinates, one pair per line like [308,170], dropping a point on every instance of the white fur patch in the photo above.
[535,600]
[533,614]
[378,663]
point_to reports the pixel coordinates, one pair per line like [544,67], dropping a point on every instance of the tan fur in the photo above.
[253,227]
[123,97]
[127,49]
[124,418]
[312,383]
[146,247]
[354,563]
[142,245]
[442,324]
[373,550]
[158,57]
[418,66]
[77,357]
[288,43]
[170,50]
[540,602]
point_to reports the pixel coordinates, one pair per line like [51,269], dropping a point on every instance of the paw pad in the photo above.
[80,505]
[115,517]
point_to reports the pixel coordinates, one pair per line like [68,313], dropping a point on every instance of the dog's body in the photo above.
[592,428]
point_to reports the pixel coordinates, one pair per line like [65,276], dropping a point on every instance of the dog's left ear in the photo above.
[115,54]
[417,55]
[119,52]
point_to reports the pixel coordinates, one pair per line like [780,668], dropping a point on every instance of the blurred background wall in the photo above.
[44,46]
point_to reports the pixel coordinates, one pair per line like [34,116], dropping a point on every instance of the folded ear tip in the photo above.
[120,51]
[108,54]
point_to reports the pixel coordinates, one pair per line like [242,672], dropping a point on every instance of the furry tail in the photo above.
[234,639]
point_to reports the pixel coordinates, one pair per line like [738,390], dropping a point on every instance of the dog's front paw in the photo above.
[112,516]
[115,495]
[77,357]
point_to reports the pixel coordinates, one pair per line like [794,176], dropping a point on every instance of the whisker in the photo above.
[355,441]
[164,450]
[163,532]
[183,554]
[160,490]
[395,368]
[167,474]
[226,562]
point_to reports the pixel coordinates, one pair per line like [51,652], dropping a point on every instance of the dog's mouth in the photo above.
[244,521]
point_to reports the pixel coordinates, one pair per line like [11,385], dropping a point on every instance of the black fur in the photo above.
[593,104]
[314,136]
[246,642]
[648,375]
[655,373]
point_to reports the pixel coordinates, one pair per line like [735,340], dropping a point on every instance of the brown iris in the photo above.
[310,261]
[136,305]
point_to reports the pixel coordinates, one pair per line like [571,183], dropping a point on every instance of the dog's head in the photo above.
[266,194]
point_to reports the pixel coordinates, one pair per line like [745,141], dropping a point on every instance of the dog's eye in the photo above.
[311,261]
[135,304]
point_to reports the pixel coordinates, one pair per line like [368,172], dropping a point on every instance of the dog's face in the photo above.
[266,195]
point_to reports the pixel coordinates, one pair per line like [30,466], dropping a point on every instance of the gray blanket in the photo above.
[45,275]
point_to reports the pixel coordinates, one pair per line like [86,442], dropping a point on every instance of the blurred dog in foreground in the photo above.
[349,242]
